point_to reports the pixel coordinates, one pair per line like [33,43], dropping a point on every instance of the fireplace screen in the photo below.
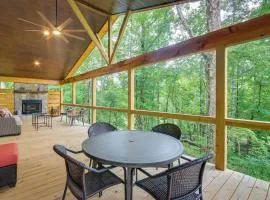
[31,106]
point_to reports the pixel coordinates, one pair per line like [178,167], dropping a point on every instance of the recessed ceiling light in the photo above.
[56,32]
[36,63]
[46,33]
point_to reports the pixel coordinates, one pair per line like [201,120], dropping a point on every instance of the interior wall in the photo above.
[7,99]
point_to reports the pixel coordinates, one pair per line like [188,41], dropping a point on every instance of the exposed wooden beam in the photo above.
[27,80]
[235,34]
[120,35]
[221,108]
[93,8]
[87,27]
[110,47]
[90,48]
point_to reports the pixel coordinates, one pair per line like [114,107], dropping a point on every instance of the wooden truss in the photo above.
[96,39]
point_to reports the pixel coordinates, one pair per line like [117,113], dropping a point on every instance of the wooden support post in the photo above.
[221,107]
[94,100]
[74,93]
[61,98]
[131,97]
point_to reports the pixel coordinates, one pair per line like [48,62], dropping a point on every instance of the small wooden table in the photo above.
[131,150]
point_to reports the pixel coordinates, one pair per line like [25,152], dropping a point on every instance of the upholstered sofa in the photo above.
[10,126]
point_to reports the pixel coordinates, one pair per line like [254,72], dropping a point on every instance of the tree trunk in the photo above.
[213,23]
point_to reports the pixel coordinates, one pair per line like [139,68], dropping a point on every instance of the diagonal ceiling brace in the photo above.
[93,8]
[120,35]
[88,28]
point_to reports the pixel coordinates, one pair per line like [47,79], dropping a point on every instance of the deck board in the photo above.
[228,189]
[259,191]
[244,188]
[41,173]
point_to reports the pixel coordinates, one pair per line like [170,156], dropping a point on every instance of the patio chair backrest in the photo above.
[186,179]
[99,128]
[168,129]
[82,111]
[75,169]
[69,109]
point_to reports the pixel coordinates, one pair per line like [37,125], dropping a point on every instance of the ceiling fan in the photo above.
[54,30]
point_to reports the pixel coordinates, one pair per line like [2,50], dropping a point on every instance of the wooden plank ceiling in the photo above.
[19,49]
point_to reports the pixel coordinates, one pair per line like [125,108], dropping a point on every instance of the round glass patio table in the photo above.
[131,150]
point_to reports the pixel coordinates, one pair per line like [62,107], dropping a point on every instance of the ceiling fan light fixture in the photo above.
[46,33]
[56,32]
[36,63]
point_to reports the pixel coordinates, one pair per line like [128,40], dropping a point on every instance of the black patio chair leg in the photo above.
[100,194]
[136,175]
[65,191]
[200,192]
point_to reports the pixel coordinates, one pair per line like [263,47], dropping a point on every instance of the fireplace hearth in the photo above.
[31,106]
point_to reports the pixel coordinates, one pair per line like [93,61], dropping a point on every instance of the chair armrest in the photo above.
[95,170]
[186,158]
[73,151]
[145,172]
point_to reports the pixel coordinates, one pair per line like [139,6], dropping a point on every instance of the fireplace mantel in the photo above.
[30,91]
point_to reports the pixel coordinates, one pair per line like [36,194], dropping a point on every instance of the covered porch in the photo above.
[50,69]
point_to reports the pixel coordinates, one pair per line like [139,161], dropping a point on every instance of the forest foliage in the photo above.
[184,85]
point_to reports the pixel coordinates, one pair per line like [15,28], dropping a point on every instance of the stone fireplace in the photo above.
[31,98]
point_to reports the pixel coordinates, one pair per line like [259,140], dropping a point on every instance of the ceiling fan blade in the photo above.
[74,31]
[64,38]
[73,36]
[46,20]
[64,24]
[23,20]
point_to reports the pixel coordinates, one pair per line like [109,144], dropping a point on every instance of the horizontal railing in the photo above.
[243,123]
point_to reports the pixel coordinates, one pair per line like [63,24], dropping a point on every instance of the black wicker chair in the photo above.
[84,181]
[183,182]
[168,129]
[99,128]
[171,130]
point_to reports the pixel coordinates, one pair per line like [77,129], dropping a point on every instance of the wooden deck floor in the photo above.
[41,173]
